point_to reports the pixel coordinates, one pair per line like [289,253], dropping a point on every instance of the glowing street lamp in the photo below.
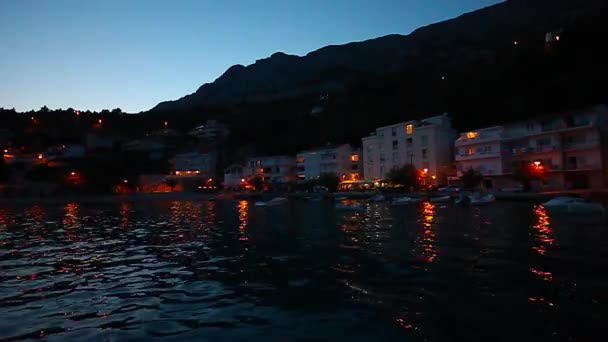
[125,181]
[72,173]
[99,121]
[166,124]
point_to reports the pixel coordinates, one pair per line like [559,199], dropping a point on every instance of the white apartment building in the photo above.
[273,169]
[341,160]
[427,144]
[481,150]
[570,148]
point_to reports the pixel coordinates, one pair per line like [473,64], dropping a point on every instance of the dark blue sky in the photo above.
[133,54]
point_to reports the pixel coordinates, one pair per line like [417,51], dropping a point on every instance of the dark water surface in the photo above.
[229,271]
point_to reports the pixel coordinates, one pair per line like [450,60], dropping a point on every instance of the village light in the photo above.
[125,181]
[100,121]
[72,173]
[425,170]
[40,156]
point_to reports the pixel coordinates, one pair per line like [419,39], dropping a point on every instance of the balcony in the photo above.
[583,166]
[533,150]
[463,140]
[481,155]
[595,143]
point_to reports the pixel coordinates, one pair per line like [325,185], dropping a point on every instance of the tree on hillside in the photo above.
[116,111]
[471,179]
[407,176]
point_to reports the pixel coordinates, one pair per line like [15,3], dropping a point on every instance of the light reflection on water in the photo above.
[227,271]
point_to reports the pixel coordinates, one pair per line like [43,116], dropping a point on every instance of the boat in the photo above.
[350,207]
[573,205]
[401,200]
[479,199]
[475,199]
[440,199]
[272,202]
[377,198]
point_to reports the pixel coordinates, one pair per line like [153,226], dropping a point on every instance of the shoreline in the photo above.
[64,199]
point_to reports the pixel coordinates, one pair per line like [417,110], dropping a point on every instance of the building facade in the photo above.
[272,169]
[427,144]
[483,151]
[341,160]
[195,164]
[570,148]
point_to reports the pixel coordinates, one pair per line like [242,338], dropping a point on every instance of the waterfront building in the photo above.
[233,176]
[570,148]
[427,144]
[340,160]
[195,164]
[272,169]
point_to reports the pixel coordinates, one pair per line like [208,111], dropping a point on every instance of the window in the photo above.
[301,169]
[394,132]
[529,127]
[409,129]
[354,158]
[382,157]
[424,140]
[409,141]
[395,144]
[395,157]
[484,149]
[471,151]
[252,164]
[381,171]
[300,160]
[424,153]
[277,169]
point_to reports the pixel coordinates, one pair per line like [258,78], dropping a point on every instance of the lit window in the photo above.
[354,157]
[409,129]
[472,135]
[471,151]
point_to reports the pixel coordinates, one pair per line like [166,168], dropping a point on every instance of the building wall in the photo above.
[428,146]
[275,169]
[333,160]
[371,163]
[204,163]
[570,146]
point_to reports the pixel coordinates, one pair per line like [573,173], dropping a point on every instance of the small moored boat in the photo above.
[350,207]
[573,205]
[440,199]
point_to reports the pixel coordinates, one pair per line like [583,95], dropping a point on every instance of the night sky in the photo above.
[133,54]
